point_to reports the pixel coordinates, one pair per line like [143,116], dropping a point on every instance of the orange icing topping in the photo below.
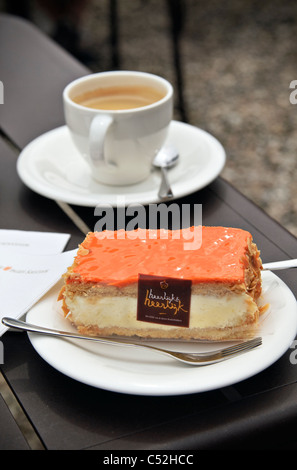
[116,258]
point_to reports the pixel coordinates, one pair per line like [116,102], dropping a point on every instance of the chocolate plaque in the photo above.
[164,300]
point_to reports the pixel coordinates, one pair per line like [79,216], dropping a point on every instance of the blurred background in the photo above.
[231,64]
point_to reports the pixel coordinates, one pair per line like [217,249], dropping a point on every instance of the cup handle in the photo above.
[98,130]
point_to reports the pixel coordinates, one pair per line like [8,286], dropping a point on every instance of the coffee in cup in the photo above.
[118,98]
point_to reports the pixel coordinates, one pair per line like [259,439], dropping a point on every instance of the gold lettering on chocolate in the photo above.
[164,302]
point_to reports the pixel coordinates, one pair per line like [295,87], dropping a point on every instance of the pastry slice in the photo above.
[148,284]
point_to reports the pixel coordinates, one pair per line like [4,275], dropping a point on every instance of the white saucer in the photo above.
[51,166]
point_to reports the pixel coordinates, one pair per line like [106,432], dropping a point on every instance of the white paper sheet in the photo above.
[32,243]
[30,264]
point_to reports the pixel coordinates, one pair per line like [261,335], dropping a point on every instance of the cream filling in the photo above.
[206,311]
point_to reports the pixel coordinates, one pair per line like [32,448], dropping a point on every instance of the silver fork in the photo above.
[195,359]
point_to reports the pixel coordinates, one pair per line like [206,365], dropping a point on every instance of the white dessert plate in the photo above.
[144,372]
[51,166]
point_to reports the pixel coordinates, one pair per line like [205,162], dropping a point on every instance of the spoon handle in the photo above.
[277,265]
[165,189]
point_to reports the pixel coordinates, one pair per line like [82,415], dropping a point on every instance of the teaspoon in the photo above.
[166,158]
[278,265]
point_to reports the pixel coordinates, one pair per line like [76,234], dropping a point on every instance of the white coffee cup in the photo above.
[118,144]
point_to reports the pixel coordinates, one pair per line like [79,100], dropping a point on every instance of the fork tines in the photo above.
[237,348]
